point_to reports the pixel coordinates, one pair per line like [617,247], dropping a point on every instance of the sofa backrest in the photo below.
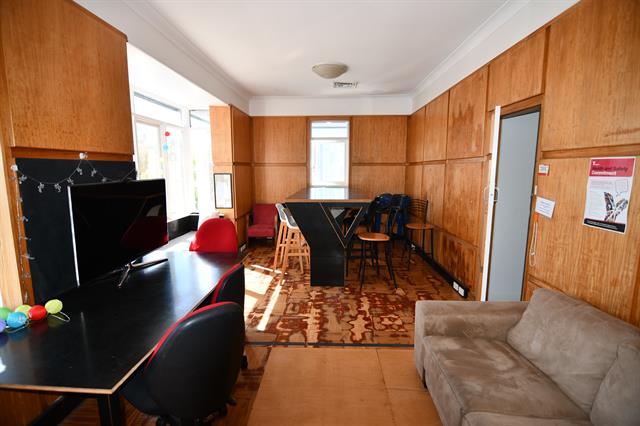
[572,342]
[618,399]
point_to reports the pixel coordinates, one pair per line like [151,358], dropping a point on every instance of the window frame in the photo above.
[347,140]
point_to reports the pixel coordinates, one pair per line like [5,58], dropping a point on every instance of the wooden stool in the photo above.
[372,239]
[290,242]
[418,209]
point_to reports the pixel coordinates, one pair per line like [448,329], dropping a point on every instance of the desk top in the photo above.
[112,330]
[328,194]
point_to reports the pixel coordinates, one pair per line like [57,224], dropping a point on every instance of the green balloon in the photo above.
[53,306]
[23,308]
[4,313]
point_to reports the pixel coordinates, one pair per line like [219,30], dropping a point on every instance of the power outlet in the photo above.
[461,291]
[456,287]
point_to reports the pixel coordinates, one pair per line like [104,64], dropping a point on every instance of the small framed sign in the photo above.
[223,190]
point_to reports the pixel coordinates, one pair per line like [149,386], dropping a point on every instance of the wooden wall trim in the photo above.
[598,151]
[59,154]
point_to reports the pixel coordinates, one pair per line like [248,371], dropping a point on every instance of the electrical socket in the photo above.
[461,291]
[456,287]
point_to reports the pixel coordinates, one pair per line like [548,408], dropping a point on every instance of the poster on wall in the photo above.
[609,193]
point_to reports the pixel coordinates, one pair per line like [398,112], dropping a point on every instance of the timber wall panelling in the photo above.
[435,129]
[279,156]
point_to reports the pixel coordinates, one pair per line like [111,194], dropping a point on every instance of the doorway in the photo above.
[518,140]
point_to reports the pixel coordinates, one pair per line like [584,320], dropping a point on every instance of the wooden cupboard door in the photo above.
[433,191]
[241,134]
[273,184]
[279,139]
[221,144]
[67,78]
[378,139]
[597,266]
[467,101]
[413,181]
[462,199]
[593,78]
[517,74]
[415,136]
[435,123]
[377,179]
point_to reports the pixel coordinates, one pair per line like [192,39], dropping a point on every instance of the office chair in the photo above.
[216,236]
[190,374]
[230,288]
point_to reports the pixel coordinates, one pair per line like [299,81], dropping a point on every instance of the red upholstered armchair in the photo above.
[263,224]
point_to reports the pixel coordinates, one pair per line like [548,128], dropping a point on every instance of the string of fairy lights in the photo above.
[20,178]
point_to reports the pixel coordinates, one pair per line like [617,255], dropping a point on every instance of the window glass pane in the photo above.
[202,166]
[330,129]
[199,118]
[329,153]
[180,201]
[148,107]
[148,154]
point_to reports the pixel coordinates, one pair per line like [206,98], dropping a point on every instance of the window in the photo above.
[175,145]
[330,153]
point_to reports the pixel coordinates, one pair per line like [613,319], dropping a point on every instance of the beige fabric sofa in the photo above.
[553,361]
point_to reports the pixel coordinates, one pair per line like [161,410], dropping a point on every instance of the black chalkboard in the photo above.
[48,225]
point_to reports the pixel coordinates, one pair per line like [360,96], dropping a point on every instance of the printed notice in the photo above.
[609,193]
[545,207]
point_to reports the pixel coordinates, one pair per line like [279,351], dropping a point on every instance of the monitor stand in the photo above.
[132,267]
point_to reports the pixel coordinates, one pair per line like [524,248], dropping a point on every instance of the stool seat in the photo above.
[419,226]
[373,236]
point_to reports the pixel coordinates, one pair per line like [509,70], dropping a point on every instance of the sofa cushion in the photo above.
[572,342]
[488,375]
[494,419]
[618,399]
[261,231]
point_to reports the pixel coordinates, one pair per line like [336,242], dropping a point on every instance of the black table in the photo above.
[318,212]
[112,331]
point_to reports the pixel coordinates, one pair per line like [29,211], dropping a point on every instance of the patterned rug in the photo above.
[287,309]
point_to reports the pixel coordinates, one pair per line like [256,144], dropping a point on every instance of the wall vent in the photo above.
[345,84]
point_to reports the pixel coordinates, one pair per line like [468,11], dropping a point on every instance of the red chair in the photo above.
[216,236]
[264,222]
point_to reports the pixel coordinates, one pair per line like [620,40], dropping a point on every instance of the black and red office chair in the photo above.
[190,375]
[230,288]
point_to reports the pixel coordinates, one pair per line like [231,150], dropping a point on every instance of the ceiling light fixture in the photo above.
[329,70]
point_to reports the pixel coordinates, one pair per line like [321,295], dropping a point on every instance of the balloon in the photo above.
[53,306]
[4,313]
[3,325]
[23,308]
[37,312]
[16,319]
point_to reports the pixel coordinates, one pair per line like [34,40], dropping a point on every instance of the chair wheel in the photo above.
[244,364]
[232,401]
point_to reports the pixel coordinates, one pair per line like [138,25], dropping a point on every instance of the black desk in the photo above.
[111,331]
[317,211]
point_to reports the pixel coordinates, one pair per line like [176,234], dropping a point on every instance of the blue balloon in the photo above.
[3,325]
[16,319]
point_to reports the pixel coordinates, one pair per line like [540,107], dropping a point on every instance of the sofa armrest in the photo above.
[488,320]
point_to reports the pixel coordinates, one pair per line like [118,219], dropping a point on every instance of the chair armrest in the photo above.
[489,320]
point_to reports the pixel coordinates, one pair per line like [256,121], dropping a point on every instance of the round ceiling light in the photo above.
[329,70]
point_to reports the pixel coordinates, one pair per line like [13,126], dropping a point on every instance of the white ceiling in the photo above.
[268,47]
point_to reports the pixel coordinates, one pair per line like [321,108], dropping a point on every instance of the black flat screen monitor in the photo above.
[115,223]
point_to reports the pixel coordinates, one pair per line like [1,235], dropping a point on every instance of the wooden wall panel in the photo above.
[594,265]
[435,139]
[462,201]
[460,259]
[378,139]
[416,136]
[241,133]
[377,179]
[467,101]
[221,143]
[243,179]
[21,407]
[67,83]
[413,181]
[433,185]
[518,73]
[273,184]
[279,139]
[592,85]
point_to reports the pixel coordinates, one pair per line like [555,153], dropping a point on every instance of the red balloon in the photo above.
[37,312]
[167,133]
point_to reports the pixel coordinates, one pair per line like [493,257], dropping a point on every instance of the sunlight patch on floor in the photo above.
[262,326]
